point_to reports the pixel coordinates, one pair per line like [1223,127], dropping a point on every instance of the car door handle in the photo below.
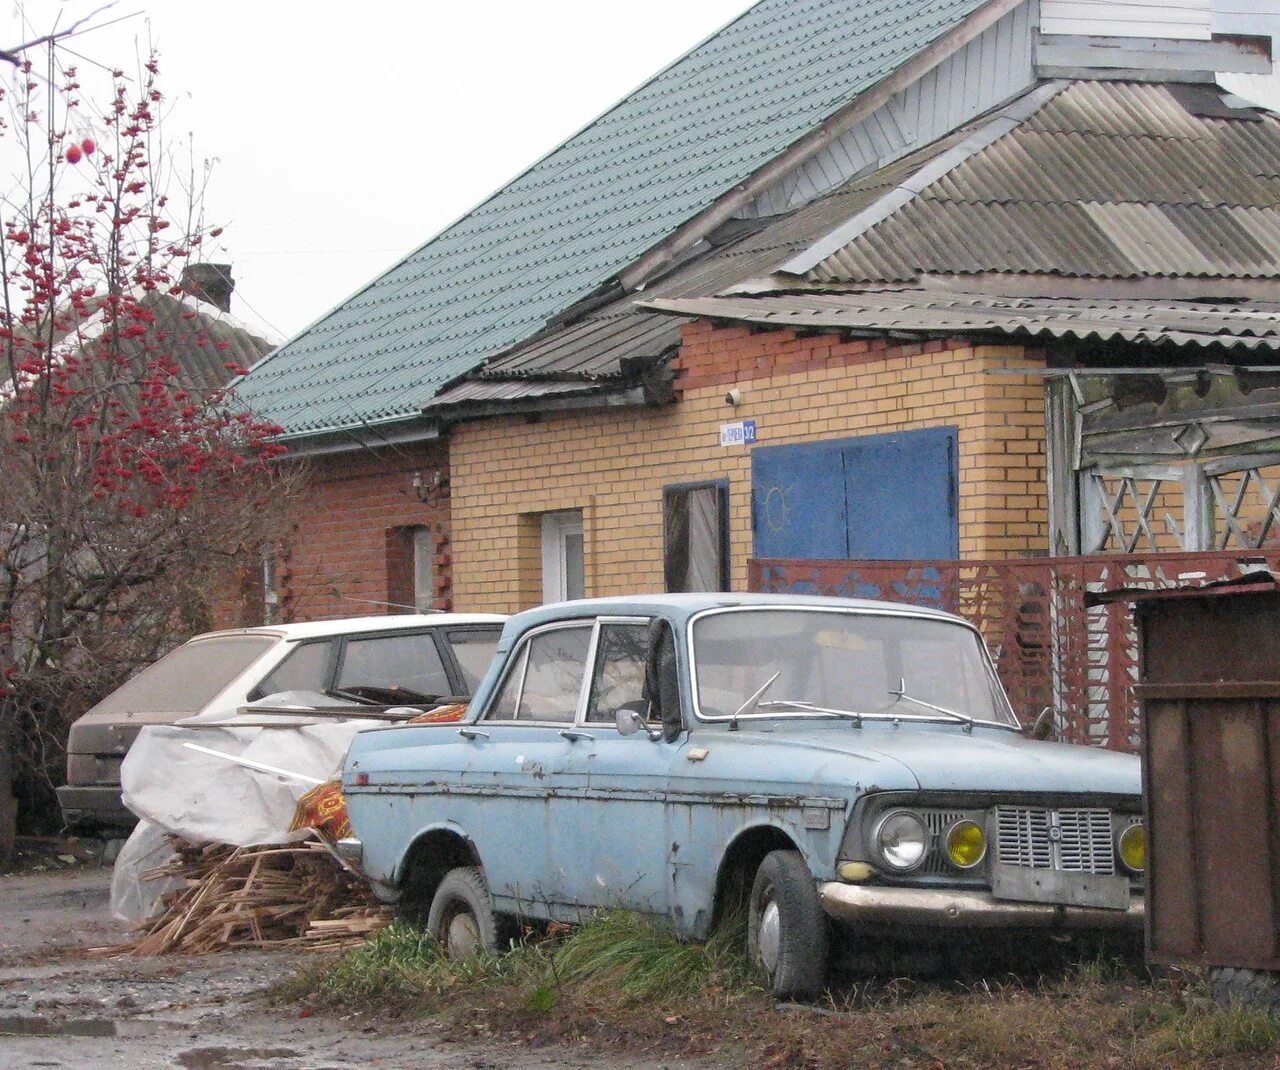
[572,734]
[472,733]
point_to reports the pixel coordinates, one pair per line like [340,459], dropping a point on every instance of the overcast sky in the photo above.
[346,134]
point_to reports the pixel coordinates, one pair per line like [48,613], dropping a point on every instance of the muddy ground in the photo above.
[63,1007]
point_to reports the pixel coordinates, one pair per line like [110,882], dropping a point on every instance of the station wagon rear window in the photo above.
[799,662]
[187,679]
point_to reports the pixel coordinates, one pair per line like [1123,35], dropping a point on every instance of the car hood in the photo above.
[950,759]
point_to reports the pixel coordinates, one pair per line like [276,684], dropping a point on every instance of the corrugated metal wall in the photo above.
[992,67]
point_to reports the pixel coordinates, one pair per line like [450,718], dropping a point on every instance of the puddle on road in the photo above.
[37,1025]
[222,1058]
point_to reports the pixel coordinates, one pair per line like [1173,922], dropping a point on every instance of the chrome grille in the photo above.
[937,822]
[1074,839]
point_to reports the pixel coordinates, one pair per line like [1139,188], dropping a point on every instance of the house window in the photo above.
[424,592]
[695,536]
[410,572]
[563,575]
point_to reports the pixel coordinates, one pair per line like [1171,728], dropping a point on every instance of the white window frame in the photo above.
[557,529]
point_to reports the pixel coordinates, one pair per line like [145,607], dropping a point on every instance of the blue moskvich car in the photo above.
[822,763]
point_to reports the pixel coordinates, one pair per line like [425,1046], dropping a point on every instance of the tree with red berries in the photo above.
[128,491]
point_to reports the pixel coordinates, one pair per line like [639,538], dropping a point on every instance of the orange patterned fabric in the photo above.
[323,808]
[444,713]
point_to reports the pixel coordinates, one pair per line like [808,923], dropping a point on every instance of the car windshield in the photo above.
[801,662]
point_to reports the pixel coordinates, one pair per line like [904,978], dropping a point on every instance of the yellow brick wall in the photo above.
[613,464]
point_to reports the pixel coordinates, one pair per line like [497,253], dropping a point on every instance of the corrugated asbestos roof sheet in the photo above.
[1247,325]
[591,350]
[1082,185]
[565,226]
[1105,180]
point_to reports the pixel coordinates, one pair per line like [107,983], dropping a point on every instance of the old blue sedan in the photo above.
[818,762]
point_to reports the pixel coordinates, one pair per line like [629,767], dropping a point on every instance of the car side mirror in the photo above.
[1044,726]
[629,721]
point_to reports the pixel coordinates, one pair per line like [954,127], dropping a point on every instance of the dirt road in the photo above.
[61,1008]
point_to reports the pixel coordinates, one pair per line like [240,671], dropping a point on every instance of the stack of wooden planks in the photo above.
[297,894]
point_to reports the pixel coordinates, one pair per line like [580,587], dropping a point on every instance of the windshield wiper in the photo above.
[900,692]
[810,707]
[755,697]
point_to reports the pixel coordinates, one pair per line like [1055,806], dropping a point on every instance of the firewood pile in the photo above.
[284,895]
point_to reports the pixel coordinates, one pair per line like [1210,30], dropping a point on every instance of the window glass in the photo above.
[473,649]
[188,678]
[393,668]
[619,674]
[504,706]
[548,681]
[563,573]
[306,669]
[854,662]
[424,593]
[695,534]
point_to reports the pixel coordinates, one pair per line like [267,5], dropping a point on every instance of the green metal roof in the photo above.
[589,208]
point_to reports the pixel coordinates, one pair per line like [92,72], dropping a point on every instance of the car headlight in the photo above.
[965,844]
[1132,846]
[900,841]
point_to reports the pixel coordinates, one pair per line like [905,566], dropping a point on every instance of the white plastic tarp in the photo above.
[202,795]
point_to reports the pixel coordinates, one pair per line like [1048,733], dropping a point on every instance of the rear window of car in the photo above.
[187,679]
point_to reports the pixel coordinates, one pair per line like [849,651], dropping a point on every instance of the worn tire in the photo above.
[461,918]
[786,929]
[1247,988]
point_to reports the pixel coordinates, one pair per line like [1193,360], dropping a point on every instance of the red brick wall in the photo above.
[350,549]
[717,356]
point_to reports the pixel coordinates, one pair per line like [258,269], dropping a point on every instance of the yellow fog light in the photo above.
[966,844]
[1133,848]
[855,871]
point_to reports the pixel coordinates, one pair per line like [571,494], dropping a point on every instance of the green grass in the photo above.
[620,982]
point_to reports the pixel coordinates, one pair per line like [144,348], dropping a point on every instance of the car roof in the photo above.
[681,607]
[387,622]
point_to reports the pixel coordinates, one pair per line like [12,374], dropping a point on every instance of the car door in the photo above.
[519,778]
[619,845]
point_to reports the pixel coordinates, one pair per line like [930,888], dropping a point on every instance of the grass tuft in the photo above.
[623,953]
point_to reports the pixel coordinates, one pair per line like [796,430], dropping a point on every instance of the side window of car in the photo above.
[546,677]
[306,668]
[473,650]
[393,668]
[619,671]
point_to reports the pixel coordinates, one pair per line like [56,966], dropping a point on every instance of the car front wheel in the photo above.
[786,929]
[461,918]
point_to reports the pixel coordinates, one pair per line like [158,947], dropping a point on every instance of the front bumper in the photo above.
[960,908]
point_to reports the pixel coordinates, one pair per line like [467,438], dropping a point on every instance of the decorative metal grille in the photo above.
[938,821]
[1074,839]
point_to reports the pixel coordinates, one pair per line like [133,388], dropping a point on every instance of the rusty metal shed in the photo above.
[1210,715]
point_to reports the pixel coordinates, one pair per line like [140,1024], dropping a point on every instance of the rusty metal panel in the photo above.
[1200,640]
[1210,782]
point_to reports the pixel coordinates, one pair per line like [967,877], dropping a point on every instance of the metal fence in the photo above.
[1051,649]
